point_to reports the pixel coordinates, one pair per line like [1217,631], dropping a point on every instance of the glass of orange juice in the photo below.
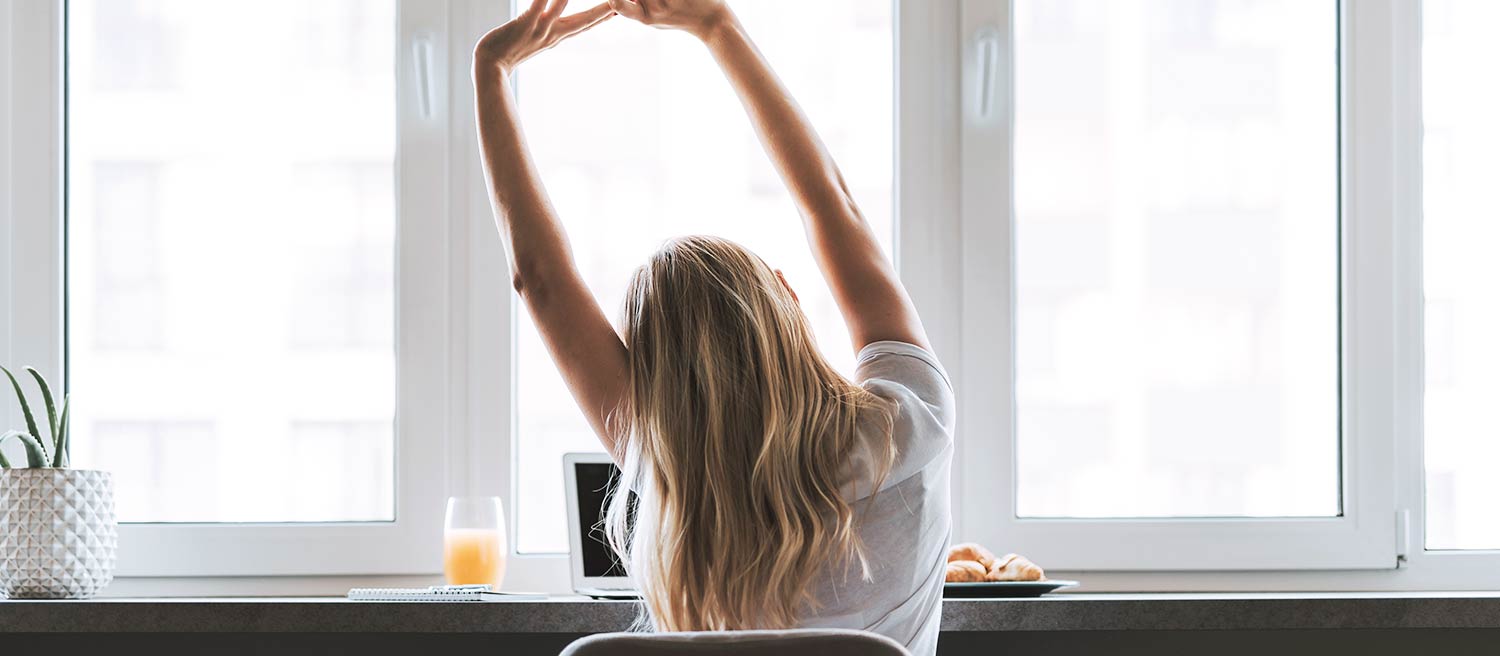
[474,546]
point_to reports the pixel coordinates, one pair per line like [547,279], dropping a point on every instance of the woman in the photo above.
[774,493]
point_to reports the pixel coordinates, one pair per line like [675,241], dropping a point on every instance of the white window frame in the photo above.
[1378,543]
[434,148]
[456,420]
[1364,536]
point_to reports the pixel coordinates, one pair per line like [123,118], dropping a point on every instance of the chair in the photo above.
[801,642]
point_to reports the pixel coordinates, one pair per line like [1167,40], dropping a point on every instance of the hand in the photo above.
[698,17]
[536,29]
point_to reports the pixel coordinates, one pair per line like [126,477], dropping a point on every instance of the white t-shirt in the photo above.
[905,526]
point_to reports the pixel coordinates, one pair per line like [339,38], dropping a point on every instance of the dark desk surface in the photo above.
[571,615]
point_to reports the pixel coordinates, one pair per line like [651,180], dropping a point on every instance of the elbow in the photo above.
[835,206]
[850,206]
[525,270]
[836,215]
[530,284]
[525,281]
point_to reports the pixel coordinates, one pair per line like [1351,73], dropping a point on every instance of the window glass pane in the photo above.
[1463,310]
[1177,258]
[231,222]
[654,145]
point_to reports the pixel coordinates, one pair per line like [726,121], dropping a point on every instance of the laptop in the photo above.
[596,571]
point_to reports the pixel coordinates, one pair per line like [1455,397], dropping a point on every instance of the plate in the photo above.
[1003,589]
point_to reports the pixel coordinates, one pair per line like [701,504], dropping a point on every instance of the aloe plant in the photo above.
[40,451]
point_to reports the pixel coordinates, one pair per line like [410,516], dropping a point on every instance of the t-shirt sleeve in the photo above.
[907,365]
[916,382]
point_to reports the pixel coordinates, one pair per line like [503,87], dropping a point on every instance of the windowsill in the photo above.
[573,615]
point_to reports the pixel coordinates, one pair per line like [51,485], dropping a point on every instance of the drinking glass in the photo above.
[474,541]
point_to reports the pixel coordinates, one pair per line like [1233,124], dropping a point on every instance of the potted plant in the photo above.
[57,525]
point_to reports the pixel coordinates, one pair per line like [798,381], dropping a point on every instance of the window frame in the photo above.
[1379,542]
[428,299]
[33,126]
[457,404]
[1363,536]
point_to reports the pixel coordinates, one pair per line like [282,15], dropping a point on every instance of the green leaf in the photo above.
[4,461]
[25,409]
[46,400]
[63,457]
[35,457]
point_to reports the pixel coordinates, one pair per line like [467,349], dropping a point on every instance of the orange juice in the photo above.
[474,555]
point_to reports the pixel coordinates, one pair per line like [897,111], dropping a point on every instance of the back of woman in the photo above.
[774,492]
[905,526]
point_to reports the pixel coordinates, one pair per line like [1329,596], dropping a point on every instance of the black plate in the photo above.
[1003,589]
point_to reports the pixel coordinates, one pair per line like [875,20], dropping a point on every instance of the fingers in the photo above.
[554,11]
[538,7]
[585,20]
[628,9]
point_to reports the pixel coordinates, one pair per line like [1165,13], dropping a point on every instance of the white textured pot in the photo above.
[57,533]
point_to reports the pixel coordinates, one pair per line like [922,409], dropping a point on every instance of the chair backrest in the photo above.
[800,642]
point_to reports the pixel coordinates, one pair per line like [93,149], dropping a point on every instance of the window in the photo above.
[1177,258]
[689,163]
[257,217]
[1178,358]
[251,253]
[1209,275]
[158,465]
[129,309]
[355,453]
[141,49]
[1463,312]
[343,300]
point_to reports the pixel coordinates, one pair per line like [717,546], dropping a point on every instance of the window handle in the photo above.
[421,47]
[987,50]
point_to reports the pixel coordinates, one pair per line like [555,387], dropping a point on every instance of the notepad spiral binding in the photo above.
[434,593]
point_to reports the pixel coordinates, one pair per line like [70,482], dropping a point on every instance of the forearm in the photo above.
[863,281]
[577,334]
[582,342]
[535,240]
[799,155]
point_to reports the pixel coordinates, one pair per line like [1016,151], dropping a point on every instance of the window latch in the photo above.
[1403,537]
[422,60]
[987,64]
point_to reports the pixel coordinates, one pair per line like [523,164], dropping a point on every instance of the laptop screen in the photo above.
[594,482]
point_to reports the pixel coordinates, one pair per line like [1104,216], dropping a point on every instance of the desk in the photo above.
[1285,624]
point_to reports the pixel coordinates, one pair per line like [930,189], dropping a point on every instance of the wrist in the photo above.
[721,24]
[489,67]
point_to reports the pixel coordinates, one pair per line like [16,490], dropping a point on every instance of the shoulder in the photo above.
[922,422]
[906,373]
[901,361]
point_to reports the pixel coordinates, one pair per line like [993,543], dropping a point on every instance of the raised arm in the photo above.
[582,341]
[874,303]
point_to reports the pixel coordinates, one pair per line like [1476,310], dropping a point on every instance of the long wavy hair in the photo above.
[736,434]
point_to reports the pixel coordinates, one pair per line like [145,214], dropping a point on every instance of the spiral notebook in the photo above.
[440,593]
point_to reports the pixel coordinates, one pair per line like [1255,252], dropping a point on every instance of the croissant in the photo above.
[972,551]
[1014,567]
[965,571]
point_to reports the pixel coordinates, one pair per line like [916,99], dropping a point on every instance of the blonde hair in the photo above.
[736,433]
